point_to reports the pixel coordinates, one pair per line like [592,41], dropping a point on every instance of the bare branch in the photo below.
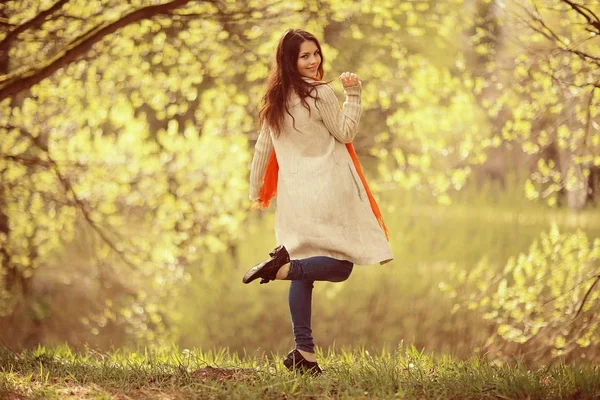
[586,296]
[28,161]
[588,122]
[588,14]
[80,205]
[539,20]
[4,22]
[549,34]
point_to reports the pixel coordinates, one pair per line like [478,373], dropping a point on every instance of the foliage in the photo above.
[125,128]
[524,75]
[544,299]
[380,305]
[146,160]
[350,373]
[554,106]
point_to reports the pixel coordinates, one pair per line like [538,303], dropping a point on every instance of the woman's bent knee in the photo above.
[344,272]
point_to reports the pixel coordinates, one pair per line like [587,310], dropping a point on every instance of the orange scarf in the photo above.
[269,187]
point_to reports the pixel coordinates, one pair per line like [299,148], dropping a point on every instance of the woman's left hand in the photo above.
[349,79]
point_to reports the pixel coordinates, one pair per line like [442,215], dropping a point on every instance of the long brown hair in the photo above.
[284,76]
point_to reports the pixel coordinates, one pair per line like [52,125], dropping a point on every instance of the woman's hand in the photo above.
[349,79]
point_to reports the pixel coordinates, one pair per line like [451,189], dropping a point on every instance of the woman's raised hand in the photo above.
[349,79]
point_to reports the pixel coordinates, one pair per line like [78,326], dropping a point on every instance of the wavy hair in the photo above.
[284,76]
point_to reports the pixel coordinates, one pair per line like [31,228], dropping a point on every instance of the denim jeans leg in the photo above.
[320,268]
[303,273]
[300,299]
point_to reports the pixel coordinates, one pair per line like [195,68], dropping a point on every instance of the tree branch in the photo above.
[14,84]
[29,161]
[32,23]
[588,122]
[80,205]
[3,22]
[586,296]
[549,34]
[591,18]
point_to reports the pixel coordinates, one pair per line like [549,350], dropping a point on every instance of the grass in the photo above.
[378,306]
[174,374]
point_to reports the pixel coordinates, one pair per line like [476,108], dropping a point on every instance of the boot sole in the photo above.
[299,365]
[302,369]
[252,274]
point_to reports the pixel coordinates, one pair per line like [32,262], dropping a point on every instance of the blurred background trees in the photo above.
[126,135]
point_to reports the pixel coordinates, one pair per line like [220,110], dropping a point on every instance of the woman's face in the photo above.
[309,59]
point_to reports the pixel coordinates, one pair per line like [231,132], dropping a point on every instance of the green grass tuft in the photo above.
[173,373]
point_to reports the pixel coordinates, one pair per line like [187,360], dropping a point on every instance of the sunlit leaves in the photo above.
[435,129]
[144,135]
[137,143]
[552,100]
[544,297]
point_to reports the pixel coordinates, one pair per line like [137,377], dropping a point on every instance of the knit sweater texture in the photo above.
[322,207]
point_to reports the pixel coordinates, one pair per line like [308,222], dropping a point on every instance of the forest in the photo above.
[127,131]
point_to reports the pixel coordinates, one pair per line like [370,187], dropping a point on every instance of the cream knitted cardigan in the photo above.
[321,205]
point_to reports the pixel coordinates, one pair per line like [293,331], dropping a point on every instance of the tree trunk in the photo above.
[4,226]
[14,282]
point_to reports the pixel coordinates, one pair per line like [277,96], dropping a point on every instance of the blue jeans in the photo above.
[303,273]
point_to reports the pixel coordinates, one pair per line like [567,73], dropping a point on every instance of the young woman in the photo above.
[326,218]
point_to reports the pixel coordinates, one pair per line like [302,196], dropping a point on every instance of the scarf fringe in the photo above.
[269,186]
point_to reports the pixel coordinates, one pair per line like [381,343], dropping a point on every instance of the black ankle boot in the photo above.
[295,361]
[267,270]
